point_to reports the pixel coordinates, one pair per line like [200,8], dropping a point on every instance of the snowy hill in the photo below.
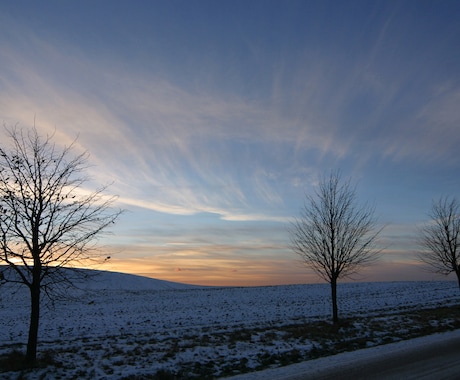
[105,280]
[124,281]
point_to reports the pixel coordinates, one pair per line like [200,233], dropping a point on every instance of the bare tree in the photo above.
[48,222]
[333,235]
[440,239]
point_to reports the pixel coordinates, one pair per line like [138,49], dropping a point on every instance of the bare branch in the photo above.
[333,235]
[440,238]
[47,221]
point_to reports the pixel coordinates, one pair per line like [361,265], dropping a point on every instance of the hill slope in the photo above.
[99,280]
[125,281]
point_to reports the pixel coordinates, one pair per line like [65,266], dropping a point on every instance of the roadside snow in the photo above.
[316,366]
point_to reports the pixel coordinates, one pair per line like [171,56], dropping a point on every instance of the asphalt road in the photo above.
[428,358]
[436,361]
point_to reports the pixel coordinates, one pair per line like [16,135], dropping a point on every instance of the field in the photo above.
[129,327]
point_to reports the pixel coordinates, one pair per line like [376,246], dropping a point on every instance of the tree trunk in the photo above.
[458,278]
[31,354]
[335,313]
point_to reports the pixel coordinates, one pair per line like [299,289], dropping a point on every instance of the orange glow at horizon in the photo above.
[216,273]
[251,272]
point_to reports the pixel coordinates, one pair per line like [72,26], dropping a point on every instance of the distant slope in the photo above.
[125,281]
[99,280]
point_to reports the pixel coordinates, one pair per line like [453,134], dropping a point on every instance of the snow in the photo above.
[123,281]
[313,367]
[123,325]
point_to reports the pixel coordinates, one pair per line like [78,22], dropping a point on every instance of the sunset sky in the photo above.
[211,120]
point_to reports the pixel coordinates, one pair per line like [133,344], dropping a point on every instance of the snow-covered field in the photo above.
[126,326]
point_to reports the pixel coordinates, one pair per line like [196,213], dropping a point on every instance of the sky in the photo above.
[212,121]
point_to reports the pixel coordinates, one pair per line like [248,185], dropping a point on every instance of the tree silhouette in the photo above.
[48,221]
[440,238]
[333,235]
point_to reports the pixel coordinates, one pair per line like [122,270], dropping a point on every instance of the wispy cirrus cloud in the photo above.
[185,151]
[150,137]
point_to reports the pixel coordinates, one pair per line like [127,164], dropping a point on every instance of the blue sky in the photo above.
[213,119]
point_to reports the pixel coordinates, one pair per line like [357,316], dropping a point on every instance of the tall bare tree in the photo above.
[48,222]
[333,235]
[440,239]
